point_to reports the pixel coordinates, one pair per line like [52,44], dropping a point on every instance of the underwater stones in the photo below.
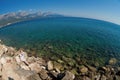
[112,61]
[68,76]
[91,68]
[74,71]
[49,65]
[60,61]
[83,69]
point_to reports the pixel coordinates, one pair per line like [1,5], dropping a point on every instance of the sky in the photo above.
[108,10]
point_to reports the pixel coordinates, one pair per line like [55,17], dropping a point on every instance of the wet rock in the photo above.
[50,65]
[74,71]
[112,61]
[68,76]
[60,61]
[93,69]
[103,77]
[83,69]
[117,77]
[57,65]
[86,78]
[97,77]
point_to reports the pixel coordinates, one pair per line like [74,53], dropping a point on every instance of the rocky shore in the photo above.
[17,65]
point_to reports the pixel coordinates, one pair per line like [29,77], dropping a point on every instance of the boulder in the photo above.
[0,69]
[83,69]
[50,65]
[27,75]
[6,59]
[68,76]
[112,61]
[93,69]
[43,74]
[3,49]
[14,72]
[103,77]
[24,66]
[35,67]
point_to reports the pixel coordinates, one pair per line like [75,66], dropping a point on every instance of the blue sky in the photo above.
[108,10]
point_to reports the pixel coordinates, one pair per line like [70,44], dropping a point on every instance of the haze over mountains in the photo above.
[13,17]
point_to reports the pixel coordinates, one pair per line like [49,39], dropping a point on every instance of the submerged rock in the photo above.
[83,69]
[17,65]
[112,61]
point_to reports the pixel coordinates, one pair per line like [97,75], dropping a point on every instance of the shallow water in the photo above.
[69,36]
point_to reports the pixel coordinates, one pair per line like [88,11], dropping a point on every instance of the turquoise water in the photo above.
[69,36]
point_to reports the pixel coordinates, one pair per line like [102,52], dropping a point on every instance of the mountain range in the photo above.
[13,17]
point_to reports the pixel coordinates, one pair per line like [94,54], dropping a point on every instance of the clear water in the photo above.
[70,36]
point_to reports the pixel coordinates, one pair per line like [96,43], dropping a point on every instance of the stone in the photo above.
[97,77]
[40,61]
[6,59]
[54,74]
[50,65]
[117,77]
[112,61]
[24,66]
[0,69]
[93,69]
[35,67]
[27,75]
[31,59]
[74,71]
[11,51]
[68,76]
[57,66]
[17,58]
[3,49]
[86,78]
[8,71]
[14,72]
[43,74]
[103,77]
[83,69]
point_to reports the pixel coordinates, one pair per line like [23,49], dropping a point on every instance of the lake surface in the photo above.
[65,36]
